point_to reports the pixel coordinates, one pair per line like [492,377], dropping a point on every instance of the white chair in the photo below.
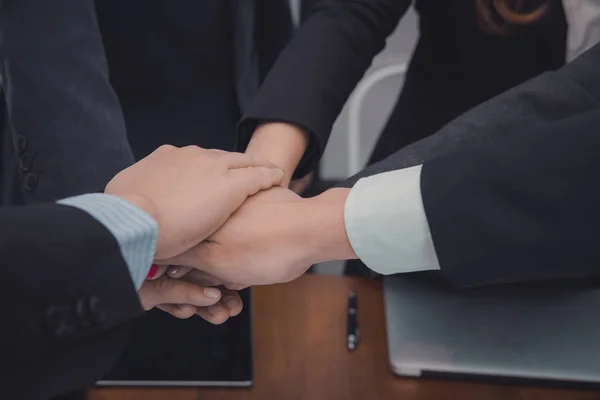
[355,106]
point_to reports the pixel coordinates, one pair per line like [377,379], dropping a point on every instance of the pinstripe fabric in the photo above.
[135,231]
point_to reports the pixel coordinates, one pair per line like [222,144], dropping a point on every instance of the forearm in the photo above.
[282,144]
[318,70]
[323,227]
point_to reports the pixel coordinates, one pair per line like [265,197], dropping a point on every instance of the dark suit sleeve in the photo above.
[67,299]
[523,206]
[555,103]
[550,97]
[317,71]
[65,120]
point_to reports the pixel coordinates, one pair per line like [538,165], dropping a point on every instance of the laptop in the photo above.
[167,351]
[544,332]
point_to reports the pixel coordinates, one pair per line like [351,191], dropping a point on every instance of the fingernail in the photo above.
[152,272]
[173,270]
[212,293]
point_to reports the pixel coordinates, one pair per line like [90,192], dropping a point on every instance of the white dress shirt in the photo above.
[386,223]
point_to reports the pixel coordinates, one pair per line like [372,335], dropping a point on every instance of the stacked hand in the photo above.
[190,192]
[216,229]
[274,237]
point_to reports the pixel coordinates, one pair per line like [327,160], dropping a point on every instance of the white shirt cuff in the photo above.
[386,223]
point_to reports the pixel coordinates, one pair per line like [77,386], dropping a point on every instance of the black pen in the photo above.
[353,331]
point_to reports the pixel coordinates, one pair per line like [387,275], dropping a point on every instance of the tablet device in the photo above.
[167,351]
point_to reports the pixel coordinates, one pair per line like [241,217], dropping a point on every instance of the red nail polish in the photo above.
[152,272]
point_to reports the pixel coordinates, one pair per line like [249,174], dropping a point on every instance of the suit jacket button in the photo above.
[25,162]
[82,312]
[21,143]
[57,322]
[31,182]
[97,312]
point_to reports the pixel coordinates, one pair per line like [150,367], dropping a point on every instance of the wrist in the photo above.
[324,229]
[281,143]
[147,206]
[141,202]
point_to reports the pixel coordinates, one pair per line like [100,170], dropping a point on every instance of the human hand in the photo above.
[281,143]
[191,191]
[183,299]
[274,237]
[220,303]
[256,233]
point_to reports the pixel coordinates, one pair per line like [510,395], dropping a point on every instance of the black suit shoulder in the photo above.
[67,297]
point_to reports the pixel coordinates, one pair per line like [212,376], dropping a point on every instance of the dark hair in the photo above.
[499,16]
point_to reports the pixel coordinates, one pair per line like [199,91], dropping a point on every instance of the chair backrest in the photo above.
[355,106]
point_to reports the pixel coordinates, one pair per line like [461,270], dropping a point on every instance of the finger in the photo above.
[156,271]
[202,278]
[242,160]
[236,286]
[253,180]
[183,312]
[216,314]
[177,271]
[197,257]
[165,148]
[232,300]
[174,291]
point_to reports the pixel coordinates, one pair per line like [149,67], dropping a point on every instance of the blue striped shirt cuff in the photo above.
[135,230]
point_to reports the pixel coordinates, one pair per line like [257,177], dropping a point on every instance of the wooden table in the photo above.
[300,353]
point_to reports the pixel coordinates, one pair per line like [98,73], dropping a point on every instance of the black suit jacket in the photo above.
[510,188]
[63,129]
[64,132]
[67,300]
